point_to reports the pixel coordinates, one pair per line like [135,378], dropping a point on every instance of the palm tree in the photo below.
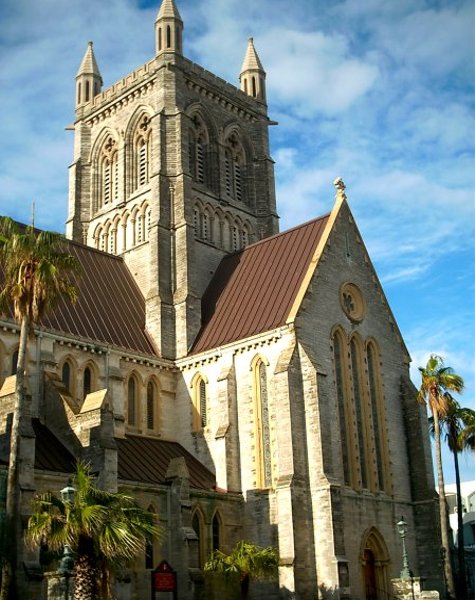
[436,380]
[246,561]
[458,426]
[36,274]
[102,528]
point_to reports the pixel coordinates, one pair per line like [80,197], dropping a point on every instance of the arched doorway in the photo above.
[374,559]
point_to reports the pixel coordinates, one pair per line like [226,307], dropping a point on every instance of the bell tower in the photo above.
[171,171]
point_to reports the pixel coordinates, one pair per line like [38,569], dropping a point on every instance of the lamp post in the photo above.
[402,530]
[66,564]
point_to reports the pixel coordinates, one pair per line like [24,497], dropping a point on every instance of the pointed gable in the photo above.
[255,290]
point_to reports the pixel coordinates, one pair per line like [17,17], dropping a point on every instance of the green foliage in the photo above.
[246,559]
[36,271]
[103,529]
[436,380]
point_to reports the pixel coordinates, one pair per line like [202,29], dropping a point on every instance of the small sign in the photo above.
[164,578]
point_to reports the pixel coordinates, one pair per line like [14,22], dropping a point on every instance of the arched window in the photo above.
[233,166]
[262,426]
[216,532]
[377,411]
[169,37]
[141,153]
[132,401]
[197,525]
[160,38]
[151,406]
[87,382]
[198,149]
[202,393]
[341,391]
[200,416]
[109,172]
[66,375]
[14,362]
[355,355]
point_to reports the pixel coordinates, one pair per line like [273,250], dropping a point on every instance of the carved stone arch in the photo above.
[104,158]
[100,141]
[258,358]
[200,120]
[97,236]
[374,560]
[134,120]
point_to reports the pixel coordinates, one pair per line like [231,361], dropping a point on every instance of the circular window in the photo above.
[352,302]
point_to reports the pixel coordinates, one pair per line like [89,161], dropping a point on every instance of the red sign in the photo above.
[164,578]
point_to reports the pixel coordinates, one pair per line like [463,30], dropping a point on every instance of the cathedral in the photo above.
[240,382]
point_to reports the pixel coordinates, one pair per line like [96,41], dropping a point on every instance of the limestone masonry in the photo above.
[240,382]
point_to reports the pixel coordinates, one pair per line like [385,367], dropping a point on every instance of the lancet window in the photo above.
[359,397]
[200,414]
[109,172]
[262,426]
[234,161]
[141,153]
[198,150]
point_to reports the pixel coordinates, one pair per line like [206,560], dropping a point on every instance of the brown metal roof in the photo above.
[110,307]
[147,459]
[50,454]
[253,290]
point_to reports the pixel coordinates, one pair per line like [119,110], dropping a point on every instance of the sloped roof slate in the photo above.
[147,459]
[110,306]
[254,290]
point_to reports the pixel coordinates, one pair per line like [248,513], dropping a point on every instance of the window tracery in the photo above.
[141,153]
[234,161]
[359,397]
[109,170]
[198,150]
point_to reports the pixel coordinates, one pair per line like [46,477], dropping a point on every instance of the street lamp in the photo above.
[67,562]
[402,529]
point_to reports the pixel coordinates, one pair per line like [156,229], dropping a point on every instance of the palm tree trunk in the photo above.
[12,509]
[449,579]
[85,578]
[462,581]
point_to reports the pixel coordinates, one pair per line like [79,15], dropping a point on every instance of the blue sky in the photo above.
[379,92]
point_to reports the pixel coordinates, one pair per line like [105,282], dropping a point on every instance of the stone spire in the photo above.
[88,78]
[168,29]
[253,76]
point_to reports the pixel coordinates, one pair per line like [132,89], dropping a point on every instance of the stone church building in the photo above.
[242,383]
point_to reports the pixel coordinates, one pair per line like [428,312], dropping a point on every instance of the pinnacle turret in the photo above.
[168,29]
[88,78]
[252,75]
